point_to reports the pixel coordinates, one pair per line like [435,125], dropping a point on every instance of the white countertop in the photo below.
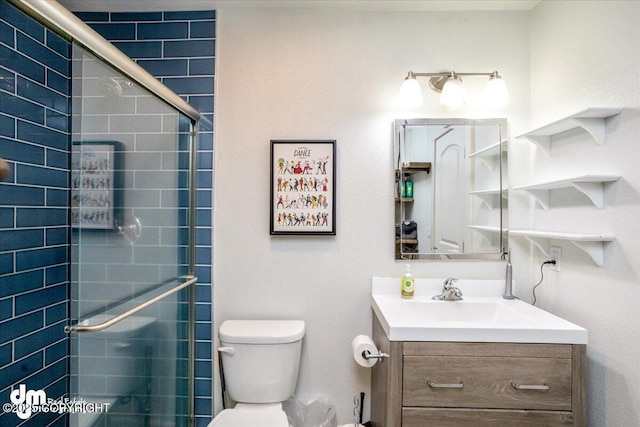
[481,316]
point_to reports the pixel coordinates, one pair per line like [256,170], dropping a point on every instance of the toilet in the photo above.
[260,360]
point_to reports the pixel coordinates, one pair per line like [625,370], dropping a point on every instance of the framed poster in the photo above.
[303,187]
[95,184]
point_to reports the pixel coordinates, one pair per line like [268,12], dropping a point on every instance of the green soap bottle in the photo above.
[407,283]
[408,189]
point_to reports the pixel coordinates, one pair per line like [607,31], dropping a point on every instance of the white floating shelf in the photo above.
[488,196]
[593,186]
[490,156]
[489,228]
[592,120]
[592,244]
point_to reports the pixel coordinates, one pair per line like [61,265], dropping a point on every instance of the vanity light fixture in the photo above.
[449,85]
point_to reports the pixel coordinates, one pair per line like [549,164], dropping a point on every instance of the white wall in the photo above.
[286,74]
[585,54]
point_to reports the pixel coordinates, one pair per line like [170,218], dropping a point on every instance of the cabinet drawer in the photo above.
[487,382]
[420,417]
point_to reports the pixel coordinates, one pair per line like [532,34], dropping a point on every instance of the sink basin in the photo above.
[472,309]
[481,316]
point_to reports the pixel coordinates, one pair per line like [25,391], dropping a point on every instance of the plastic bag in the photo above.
[319,412]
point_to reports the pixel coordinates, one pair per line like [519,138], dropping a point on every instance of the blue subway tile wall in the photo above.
[34,244]
[179,49]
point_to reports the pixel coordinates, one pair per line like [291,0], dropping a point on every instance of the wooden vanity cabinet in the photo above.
[477,384]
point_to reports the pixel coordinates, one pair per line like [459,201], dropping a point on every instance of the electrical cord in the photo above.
[551,261]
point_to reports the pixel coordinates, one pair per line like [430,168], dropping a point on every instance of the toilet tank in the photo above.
[261,358]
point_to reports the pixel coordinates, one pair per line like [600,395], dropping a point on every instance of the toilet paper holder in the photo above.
[380,356]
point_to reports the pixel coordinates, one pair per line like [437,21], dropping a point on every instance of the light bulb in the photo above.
[496,92]
[410,95]
[453,93]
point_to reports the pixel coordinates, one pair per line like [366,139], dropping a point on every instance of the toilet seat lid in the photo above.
[250,418]
[261,331]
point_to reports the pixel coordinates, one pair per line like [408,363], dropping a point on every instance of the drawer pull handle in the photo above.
[452,385]
[517,386]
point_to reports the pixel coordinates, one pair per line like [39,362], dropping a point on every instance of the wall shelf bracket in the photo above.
[541,243]
[487,231]
[592,244]
[593,190]
[594,249]
[542,141]
[541,196]
[594,126]
[489,197]
[490,156]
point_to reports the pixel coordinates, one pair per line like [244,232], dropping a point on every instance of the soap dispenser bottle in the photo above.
[407,283]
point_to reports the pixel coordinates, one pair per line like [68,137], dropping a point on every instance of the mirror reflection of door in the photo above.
[449,191]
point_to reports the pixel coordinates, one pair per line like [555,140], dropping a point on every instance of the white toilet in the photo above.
[260,359]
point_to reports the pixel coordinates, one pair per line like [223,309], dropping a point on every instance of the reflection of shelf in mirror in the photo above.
[406,248]
[407,241]
[490,156]
[593,186]
[592,120]
[410,168]
[487,230]
[404,199]
[592,244]
[489,196]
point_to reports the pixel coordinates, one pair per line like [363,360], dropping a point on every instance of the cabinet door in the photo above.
[487,382]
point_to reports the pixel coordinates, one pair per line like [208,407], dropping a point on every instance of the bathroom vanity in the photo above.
[447,369]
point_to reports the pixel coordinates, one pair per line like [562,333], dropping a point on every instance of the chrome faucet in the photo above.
[449,292]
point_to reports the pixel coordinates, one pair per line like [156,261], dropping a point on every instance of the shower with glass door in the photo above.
[132,218]
[130,251]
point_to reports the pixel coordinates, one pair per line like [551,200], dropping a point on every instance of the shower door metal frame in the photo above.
[58,19]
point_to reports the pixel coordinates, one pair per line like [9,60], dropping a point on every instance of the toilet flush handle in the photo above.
[228,350]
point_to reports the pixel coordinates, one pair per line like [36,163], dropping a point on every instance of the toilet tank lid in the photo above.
[261,331]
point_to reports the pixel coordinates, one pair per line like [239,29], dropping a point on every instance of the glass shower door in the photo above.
[131,222]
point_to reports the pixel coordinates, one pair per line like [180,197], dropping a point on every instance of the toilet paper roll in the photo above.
[360,345]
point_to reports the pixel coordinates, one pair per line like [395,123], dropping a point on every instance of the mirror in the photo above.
[450,199]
